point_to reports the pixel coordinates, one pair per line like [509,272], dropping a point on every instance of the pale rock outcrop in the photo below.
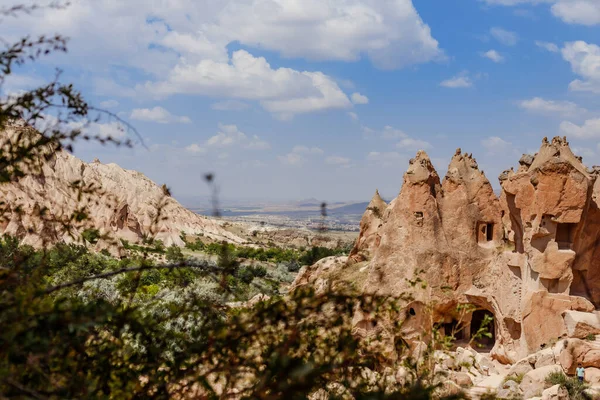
[509,390]
[319,275]
[120,203]
[581,324]
[592,375]
[462,379]
[534,382]
[369,238]
[578,351]
[521,367]
[544,358]
[556,392]
[529,258]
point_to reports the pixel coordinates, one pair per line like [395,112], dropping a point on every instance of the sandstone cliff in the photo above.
[529,258]
[121,203]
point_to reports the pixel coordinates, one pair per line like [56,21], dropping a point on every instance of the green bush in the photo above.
[317,253]
[174,254]
[245,274]
[575,388]
[517,378]
[197,245]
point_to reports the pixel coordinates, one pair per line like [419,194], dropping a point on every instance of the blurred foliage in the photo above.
[82,325]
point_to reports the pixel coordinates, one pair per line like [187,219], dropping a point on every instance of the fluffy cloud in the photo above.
[413,144]
[584,12]
[551,47]
[299,155]
[585,62]
[230,136]
[159,115]
[550,107]
[102,130]
[406,142]
[460,81]
[391,33]
[282,91]
[505,37]
[493,55]
[358,98]
[353,116]
[189,45]
[589,130]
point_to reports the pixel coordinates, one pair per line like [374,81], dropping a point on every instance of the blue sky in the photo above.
[289,99]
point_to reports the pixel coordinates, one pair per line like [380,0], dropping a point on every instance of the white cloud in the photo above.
[358,98]
[413,144]
[493,55]
[391,33]
[109,104]
[195,149]
[230,105]
[337,160]
[299,155]
[584,12]
[159,115]
[228,135]
[585,62]
[353,116]
[460,81]
[551,47]
[183,49]
[589,130]
[188,45]
[550,107]
[97,129]
[495,144]
[281,91]
[406,142]
[505,37]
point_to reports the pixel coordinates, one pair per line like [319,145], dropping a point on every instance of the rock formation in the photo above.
[121,203]
[529,258]
[368,238]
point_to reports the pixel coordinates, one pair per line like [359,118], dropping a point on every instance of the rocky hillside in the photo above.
[119,203]
[529,258]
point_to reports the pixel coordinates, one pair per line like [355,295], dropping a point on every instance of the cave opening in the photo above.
[565,236]
[486,336]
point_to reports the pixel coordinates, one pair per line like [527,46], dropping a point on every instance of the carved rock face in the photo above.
[525,258]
